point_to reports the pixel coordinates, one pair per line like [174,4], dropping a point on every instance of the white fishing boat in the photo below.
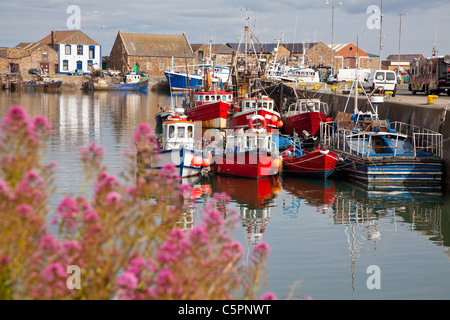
[177,145]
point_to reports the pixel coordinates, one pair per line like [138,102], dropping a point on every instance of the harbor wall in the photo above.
[430,116]
[74,82]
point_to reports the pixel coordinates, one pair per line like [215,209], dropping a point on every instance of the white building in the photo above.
[76,51]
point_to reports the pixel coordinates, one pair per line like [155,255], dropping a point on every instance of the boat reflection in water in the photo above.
[319,193]
[367,212]
[254,198]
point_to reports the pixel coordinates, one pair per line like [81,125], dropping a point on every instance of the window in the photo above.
[161,64]
[80,50]
[379,76]
[181,132]
[68,49]
[390,76]
[90,64]
[321,58]
[65,65]
[171,131]
[45,57]
[91,52]
[149,63]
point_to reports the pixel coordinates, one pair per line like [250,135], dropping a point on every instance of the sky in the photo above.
[425,25]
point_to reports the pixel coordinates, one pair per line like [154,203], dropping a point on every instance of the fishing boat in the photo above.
[127,82]
[259,109]
[182,81]
[303,117]
[177,146]
[249,154]
[210,105]
[44,82]
[319,163]
[379,152]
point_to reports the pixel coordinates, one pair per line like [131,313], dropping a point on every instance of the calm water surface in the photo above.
[323,235]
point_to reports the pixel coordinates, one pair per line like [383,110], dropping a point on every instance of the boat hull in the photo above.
[241,119]
[138,86]
[181,158]
[179,81]
[246,164]
[212,115]
[42,86]
[318,164]
[412,171]
[308,121]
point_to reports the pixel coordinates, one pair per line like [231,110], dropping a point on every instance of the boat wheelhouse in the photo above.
[248,108]
[211,107]
[303,117]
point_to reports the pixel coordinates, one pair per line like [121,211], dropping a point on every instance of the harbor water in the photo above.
[332,239]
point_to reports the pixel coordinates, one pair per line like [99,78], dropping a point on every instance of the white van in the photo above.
[381,79]
[343,75]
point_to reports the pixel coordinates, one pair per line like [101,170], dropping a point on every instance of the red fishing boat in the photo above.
[251,154]
[320,163]
[304,117]
[260,108]
[210,105]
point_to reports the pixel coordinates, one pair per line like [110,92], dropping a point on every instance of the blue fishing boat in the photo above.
[126,82]
[180,81]
[379,152]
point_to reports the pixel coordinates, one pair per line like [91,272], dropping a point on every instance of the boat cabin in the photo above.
[249,104]
[304,106]
[202,97]
[240,142]
[132,78]
[177,133]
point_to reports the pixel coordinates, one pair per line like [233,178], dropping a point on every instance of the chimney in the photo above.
[53,36]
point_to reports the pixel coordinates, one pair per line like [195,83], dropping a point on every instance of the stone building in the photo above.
[221,54]
[153,53]
[319,56]
[26,56]
[393,61]
[76,51]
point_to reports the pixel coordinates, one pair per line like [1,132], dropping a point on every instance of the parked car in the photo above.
[34,71]
[343,75]
[381,79]
[112,72]
[75,72]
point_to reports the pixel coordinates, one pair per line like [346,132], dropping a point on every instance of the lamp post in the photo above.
[399,37]
[333,4]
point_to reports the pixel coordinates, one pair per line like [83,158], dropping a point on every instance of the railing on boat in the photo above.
[361,142]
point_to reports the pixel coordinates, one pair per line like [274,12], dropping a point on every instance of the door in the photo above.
[136,68]
[44,68]
[79,65]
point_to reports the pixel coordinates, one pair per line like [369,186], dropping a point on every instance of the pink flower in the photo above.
[269,296]
[263,249]
[91,215]
[128,280]
[113,198]
[52,270]
[48,242]
[67,207]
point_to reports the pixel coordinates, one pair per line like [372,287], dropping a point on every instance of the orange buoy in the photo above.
[196,161]
[279,124]
[274,118]
[206,162]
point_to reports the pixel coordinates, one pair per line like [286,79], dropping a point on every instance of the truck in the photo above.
[430,75]
[343,75]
